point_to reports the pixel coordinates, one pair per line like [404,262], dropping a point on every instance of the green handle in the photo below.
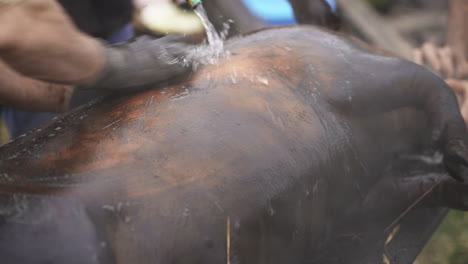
[194,3]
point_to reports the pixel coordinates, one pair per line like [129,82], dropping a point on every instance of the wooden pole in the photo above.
[374,28]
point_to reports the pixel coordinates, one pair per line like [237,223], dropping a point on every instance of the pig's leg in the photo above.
[379,84]
[411,204]
[394,197]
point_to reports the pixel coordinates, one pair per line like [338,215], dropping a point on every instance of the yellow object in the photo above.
[168,18]
[4,3]
[4,134]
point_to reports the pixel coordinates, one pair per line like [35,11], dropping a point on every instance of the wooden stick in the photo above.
[374,27]
[228,240]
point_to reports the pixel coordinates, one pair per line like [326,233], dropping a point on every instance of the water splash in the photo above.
[214,40]
[212,49]
[270,209]
[434,159]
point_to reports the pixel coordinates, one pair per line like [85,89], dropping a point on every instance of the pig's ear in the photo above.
[315,12]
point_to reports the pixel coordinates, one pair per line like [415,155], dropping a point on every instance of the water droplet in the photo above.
[263,80]
[237,224]
[186,212]
[119,206]
[108,207]
[270,209]
[315,188]
[233,79]
[7,178]
[211,52]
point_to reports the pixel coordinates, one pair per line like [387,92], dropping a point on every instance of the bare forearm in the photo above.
[451,61]
[457,27]
[39,40]
[29,94]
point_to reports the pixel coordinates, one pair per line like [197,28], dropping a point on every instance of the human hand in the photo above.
[39,40]
[142,61]
[460,88]
[25,93]
[452,65]
[449,62]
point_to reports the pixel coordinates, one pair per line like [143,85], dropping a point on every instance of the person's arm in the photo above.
[450,60]
[457,36]
[315,12]
[38,39]
[25,93]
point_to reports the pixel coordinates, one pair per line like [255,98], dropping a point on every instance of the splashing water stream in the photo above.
[213,50]
[214,40]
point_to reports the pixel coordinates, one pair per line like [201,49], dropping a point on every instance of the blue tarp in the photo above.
[275,12]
